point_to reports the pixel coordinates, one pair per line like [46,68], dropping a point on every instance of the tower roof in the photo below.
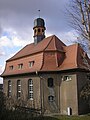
[39,22]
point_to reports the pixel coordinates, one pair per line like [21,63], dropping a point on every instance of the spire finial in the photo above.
[39,13]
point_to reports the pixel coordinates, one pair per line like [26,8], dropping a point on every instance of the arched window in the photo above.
[50,82]
[18,88]
[30,89]
[9,88]
[42,30]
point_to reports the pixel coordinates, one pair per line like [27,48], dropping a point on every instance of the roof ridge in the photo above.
[58,43]
[49,42]
[42,61]
[55,42]
[59,40]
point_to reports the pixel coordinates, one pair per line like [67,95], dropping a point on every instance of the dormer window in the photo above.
[20,66]
[31,63]
[11,67]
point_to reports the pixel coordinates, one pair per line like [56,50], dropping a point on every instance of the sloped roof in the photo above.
[83,60]
[49,43]
[70,61]
[51,54]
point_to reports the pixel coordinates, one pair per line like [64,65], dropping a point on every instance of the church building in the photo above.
[47,75]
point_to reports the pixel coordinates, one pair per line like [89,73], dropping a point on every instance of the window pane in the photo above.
[31,88]
[31,96]
[30,82]
[19,88]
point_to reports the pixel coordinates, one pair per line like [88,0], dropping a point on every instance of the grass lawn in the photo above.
[82,117]
[16,115]
[85,117]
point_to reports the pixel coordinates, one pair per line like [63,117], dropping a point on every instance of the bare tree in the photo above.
[79,16]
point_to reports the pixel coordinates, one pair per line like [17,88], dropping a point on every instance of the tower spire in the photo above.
[39,13]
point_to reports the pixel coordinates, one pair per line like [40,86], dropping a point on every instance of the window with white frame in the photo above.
[30,89]
[9,88]
[18,88]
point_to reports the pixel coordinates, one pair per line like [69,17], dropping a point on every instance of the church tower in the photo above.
[39,30]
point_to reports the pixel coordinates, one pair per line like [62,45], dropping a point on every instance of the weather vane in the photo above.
[39,13]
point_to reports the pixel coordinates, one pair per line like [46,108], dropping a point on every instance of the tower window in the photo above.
[42,30]
[50,82]
[35,30]
[30,89]
[18,89]
[39,30]
[9,88]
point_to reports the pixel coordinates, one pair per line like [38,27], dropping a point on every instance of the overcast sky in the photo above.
[16,24]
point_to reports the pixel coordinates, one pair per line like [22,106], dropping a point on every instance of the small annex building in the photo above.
[47,75]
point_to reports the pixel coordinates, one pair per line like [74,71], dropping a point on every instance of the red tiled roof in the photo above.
[50,54]
[26,68]
[45,44]
[83,60]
